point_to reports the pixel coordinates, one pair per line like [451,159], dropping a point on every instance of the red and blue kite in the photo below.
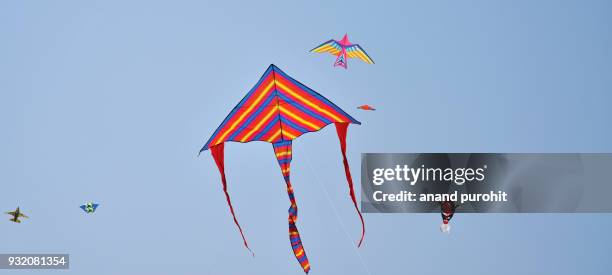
[278,110]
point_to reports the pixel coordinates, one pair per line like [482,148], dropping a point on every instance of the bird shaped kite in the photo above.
[278,110]
[343,49]
[89,207]
[366,108]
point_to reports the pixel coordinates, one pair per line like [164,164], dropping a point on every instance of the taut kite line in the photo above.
[278,110]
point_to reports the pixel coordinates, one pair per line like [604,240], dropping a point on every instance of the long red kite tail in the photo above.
[341,128]
[217,153]
[282,150]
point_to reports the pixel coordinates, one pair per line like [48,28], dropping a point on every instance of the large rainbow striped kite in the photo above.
[278,110]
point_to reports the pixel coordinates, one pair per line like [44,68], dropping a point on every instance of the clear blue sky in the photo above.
[111,100]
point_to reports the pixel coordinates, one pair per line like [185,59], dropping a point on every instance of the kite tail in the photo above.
[341,128]
[218,155]
[282,150]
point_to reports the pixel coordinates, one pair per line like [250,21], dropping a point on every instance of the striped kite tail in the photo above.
[282,150]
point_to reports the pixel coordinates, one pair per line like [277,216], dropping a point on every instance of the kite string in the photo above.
[349,238]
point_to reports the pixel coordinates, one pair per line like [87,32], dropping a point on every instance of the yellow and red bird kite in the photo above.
[343,50]
[278,110]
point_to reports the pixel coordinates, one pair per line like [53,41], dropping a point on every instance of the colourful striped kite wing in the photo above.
[277,108]
[355,51]
[330,46]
